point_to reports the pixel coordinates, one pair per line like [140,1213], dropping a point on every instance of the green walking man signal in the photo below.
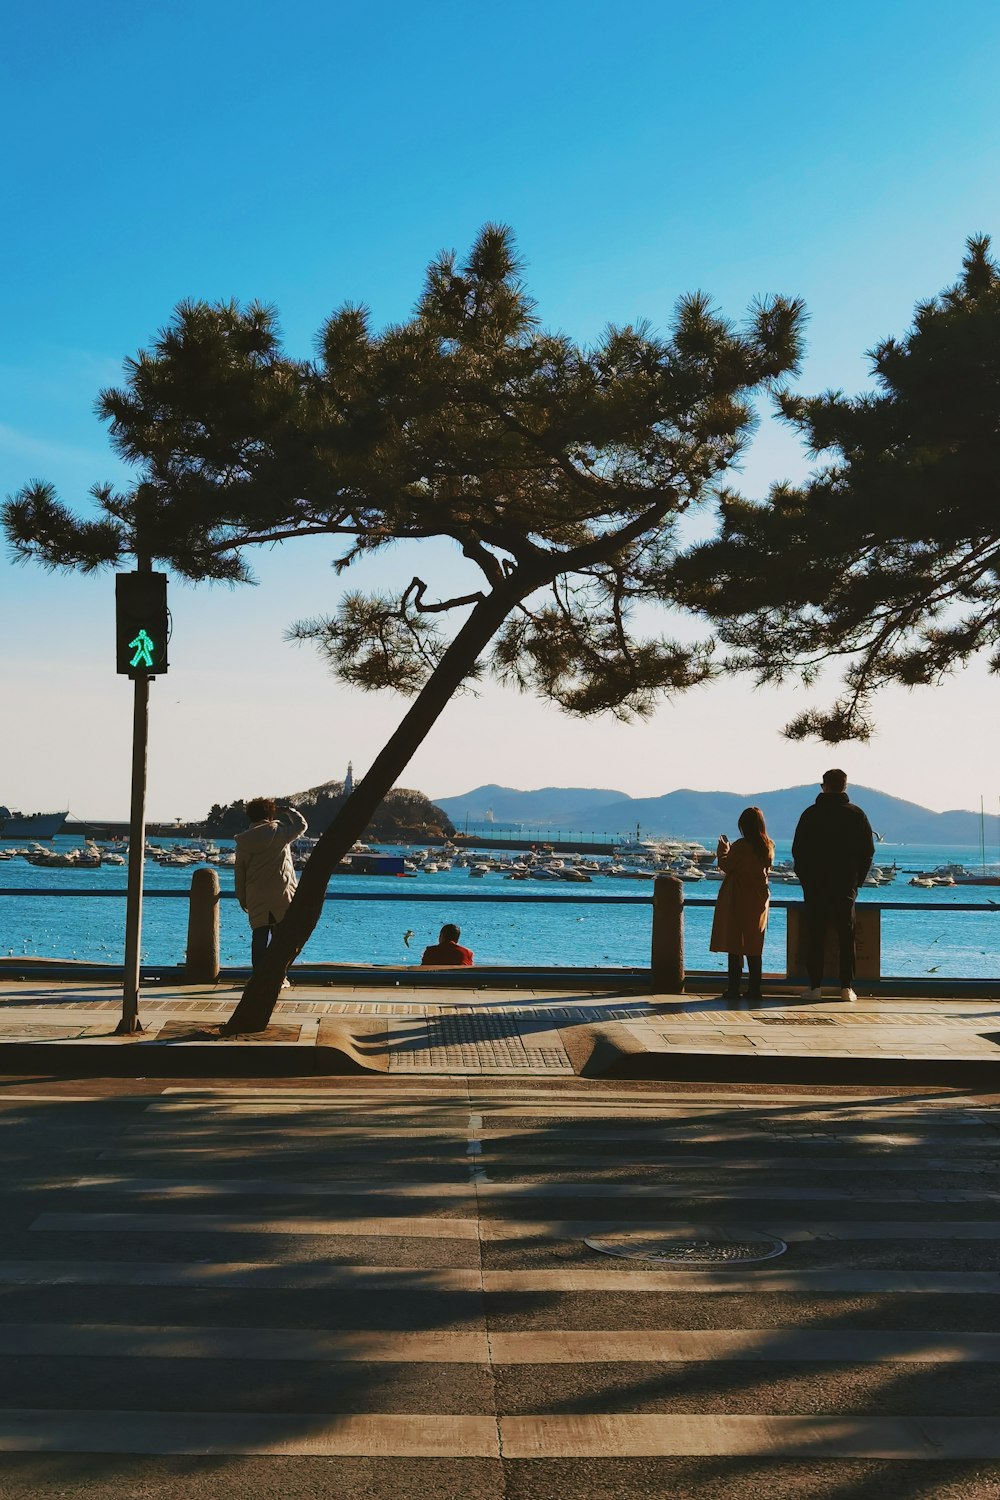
[144,647]
[141,624]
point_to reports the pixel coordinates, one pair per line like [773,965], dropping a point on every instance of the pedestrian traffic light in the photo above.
[141,623]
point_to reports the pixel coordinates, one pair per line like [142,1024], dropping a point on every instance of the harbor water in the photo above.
[915,942]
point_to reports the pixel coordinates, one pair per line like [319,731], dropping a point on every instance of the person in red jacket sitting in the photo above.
[447,949]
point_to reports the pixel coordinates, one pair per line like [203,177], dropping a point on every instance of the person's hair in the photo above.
[261,808]
[835,781]
[450,933]
[753,829]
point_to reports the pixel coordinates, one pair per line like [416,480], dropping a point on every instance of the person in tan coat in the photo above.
[264,873]
[740,919]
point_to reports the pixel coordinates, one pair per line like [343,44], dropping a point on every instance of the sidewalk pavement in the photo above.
[67,1028]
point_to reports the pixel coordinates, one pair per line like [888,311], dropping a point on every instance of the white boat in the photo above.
[87,858]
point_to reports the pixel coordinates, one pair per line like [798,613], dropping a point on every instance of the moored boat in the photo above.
[15,825]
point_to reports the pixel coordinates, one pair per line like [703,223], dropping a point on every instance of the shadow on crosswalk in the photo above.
[374,1272]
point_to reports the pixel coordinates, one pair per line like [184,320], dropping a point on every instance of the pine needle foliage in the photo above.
[887,562]
[557,469]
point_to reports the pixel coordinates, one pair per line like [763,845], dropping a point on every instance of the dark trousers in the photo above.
[260,937]
[826,908]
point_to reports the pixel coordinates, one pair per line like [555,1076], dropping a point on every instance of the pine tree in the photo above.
[558,471]
[888,560]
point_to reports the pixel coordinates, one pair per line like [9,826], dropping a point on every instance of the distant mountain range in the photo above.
[689,814]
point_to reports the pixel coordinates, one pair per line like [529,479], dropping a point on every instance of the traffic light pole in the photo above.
[130,1022]
[136,857]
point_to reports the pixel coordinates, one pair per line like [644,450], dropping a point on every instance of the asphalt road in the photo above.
[381,1287]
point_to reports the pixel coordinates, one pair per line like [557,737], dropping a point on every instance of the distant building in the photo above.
[349,781]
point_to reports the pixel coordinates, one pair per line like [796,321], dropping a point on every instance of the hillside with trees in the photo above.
[403,816]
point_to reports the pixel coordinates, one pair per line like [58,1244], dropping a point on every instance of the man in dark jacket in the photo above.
[833,851]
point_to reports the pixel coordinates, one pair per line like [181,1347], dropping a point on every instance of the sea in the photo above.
[930,937]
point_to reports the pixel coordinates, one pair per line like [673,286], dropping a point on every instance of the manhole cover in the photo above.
[797,1020]
[700,1247]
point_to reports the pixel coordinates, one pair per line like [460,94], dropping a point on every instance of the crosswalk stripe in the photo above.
[814,1437]
[752,1279]
[556,1346]
[347,1187]
[509,1230]
[414,1228]
[532,1437]
[249,1275]
[222,1109]
[848,1229]
[739,1193]
[318,1133]
[187,1109]
[255,1275]
[434,1153]
[264,1187]
[377,1091]
[129,1341]
[226,1110]
[266,1433]
[667,1346]
[568,1128]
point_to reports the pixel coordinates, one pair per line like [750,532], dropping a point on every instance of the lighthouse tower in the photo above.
[349,781]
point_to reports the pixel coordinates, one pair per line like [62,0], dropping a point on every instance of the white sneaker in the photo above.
[286,984]
[848,995]
[811,994]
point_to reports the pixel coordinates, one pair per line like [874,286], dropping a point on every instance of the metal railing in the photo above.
[528,897]
[666,900]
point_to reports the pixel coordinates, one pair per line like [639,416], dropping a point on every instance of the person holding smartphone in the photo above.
[740,919]
[264,873]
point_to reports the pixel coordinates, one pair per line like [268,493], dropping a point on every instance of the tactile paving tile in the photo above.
[474,1042]
[554,1013]
[38,1031]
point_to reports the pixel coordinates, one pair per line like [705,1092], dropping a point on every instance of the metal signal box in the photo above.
[141,624]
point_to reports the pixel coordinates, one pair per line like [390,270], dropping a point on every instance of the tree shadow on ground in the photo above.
[391,1135]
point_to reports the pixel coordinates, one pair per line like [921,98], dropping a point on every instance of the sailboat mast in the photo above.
[982,833]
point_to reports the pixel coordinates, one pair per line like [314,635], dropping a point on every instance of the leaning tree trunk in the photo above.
[291,934]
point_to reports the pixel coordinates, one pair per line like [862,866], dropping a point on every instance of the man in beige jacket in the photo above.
[265,875]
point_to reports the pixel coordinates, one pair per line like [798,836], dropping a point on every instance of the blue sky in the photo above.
[310,154]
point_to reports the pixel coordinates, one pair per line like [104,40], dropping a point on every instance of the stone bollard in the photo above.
[202,963]
[867,944]
[667,958]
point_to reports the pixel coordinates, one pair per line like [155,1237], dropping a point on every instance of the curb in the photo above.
[345,1046]
[342,1048]
[619,1050]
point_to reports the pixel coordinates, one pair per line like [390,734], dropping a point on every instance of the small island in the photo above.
[403,817]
